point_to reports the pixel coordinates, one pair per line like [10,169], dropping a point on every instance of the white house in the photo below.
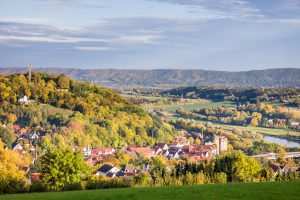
[294,123]
[23,99]
[18,147]
[107,170]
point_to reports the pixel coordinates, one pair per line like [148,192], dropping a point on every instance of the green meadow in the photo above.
[262,130]
[190,107]
[245,191]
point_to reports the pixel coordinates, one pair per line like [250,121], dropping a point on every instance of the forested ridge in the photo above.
[66,112]
[221,93]
[279,77]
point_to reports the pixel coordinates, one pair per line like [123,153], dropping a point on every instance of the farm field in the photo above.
[245,191]
[150,98]
[198,106]
[262,130]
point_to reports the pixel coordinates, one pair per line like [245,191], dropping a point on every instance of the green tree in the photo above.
[62,168]
[238,167]
[7,135]
[158,170]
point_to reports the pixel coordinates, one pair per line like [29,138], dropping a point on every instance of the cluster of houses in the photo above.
[25,140]
[179,148]
[284,168]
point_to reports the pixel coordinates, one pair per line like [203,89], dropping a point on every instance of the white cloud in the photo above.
[236,9]
[290,21]
[86,48]
[50,39]
[125,39]
[141,39]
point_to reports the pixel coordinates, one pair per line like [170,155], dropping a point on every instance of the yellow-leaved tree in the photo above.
[12,179]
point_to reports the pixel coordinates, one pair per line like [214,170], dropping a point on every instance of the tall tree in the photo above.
[238,167]
[61,168]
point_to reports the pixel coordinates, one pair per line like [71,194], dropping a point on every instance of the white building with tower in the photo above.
[23,99]
[221,143]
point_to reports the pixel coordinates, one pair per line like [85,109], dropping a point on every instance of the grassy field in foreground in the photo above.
[246,191]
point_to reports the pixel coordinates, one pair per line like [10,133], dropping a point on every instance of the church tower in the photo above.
[29,73]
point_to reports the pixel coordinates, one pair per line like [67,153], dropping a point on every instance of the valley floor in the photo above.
[245,191]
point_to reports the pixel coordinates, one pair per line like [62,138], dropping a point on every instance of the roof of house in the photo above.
[35,176]
[196,157]
[120,173]
[17,146]
[275,168]
[79,148]
[23,131]
[105,168]
[102,150]
[16,127]
[25,140]
[111,175]
[140,150]
[160,145]
[129,168]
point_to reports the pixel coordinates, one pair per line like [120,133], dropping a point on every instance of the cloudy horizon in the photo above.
[225,35]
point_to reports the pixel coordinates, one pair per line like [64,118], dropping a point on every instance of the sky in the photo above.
[227,35]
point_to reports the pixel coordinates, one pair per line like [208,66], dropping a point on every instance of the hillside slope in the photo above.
[246,191]
[175,77]
[68,112]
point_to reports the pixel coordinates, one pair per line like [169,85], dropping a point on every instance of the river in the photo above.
[281,141]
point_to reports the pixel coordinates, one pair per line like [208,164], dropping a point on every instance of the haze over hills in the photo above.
[175,77]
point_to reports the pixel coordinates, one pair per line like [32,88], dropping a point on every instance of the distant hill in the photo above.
[175,77]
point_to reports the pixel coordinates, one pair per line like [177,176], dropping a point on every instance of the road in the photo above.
[273,156]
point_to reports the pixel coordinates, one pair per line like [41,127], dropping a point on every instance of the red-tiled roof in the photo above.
[35,177]
[140,150]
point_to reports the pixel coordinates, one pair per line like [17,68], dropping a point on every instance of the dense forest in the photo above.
[287,95]
[65,112]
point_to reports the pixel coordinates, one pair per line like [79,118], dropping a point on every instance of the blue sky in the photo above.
[229,35]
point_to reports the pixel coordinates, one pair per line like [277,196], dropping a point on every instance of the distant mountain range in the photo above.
[175,77]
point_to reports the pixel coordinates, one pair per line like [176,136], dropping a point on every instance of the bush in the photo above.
[13,185]
[220,177]
[102,182]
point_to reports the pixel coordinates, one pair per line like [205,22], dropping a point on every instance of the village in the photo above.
[179,148]
[102,159]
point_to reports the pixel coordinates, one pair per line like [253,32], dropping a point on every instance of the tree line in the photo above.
[66,170]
